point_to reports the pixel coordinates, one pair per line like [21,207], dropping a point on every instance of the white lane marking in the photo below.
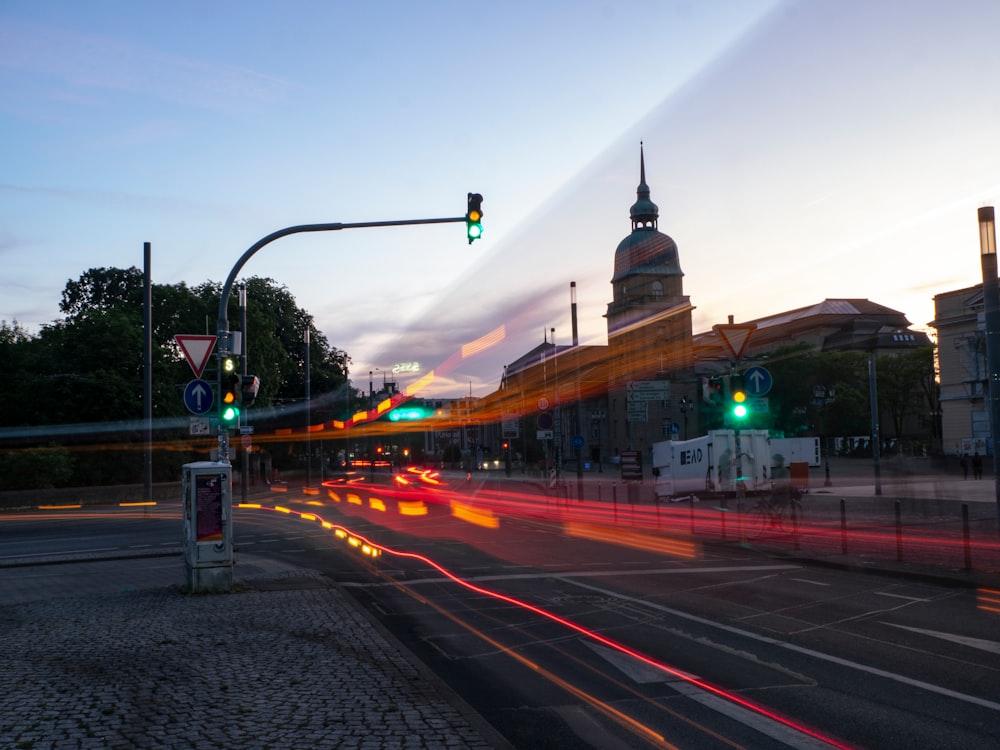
[991,646]
[901,596]
[636,670]
[814,583]
[975,700]
[763,724]
[642,673]
[589,574]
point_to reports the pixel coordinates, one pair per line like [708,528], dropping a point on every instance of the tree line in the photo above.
[72,393]
[828,394]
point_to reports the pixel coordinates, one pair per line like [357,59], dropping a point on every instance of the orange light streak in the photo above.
[988,600]
[412,508]
[418,385]
[478,516]
[484,342]
[632,539]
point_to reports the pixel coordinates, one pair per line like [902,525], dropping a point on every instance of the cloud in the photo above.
[90,61]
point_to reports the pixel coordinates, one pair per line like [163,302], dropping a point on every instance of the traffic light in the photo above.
[474,217]
[250,386]
[739,405]
[232,392]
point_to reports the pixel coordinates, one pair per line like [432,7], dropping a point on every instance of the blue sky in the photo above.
[797,151]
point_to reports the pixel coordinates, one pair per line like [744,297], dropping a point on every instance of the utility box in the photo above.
[207,488]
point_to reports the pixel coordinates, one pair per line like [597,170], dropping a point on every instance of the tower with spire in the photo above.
[649,324]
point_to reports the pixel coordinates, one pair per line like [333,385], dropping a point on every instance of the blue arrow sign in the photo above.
[198,396]
[757,380]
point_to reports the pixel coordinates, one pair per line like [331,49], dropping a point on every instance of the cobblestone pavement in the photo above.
[113,654]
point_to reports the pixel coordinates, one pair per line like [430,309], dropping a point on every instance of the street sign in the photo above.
[196,350]
[578,441]
[638,411]
[735,336]
[757,381]
[199,426]
[545,421]
[648,390]
[543,403]
[198,396]
[545,434]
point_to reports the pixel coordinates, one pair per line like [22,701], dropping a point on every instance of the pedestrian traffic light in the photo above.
[232,392]
[474,217]
[739,405]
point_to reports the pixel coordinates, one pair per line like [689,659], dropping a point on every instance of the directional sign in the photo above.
[757,381]
[578,441]
[198,396]
[196,349]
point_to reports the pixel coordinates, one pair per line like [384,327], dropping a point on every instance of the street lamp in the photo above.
[991,313]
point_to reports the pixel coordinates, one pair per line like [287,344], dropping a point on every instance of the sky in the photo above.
[797,150]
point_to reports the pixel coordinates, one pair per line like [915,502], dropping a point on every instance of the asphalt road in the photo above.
[632,639]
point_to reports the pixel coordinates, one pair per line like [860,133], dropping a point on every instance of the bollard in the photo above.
[843,526]
[899,533]
[965,536]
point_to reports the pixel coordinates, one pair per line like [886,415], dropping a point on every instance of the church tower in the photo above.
[649,332]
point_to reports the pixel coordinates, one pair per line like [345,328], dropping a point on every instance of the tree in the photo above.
[88,367]
[905,385]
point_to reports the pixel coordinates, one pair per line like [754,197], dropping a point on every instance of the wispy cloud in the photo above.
[90,61]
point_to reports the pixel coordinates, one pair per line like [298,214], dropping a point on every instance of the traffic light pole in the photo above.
[224,343]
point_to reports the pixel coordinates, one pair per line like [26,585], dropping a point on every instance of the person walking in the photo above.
[963,461]
[977,465]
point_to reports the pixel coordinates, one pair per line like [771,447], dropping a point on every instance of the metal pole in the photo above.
[245,417]
[222,330]
[309,458]
[876,440]
[147,367]
[991,312]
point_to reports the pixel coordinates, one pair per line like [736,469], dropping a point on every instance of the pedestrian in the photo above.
[977,465]
[964,463]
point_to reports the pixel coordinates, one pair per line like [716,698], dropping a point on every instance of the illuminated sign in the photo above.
[400,367]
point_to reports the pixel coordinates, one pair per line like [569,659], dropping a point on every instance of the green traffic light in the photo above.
[230,414]
[474,217]
[739,405]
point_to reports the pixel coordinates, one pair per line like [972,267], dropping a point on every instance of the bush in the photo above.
[35,468]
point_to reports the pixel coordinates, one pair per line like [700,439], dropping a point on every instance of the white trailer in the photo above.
[722,461]
[797,450]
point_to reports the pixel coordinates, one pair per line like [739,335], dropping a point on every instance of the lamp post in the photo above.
[685,404]
[991,311]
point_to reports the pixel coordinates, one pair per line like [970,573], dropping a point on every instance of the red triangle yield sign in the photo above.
[736,336]
[196,349]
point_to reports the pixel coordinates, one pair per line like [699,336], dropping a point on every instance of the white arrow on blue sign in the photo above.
[198,396]
[757,381]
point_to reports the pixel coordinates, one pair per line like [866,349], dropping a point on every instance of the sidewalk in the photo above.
[112,654]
